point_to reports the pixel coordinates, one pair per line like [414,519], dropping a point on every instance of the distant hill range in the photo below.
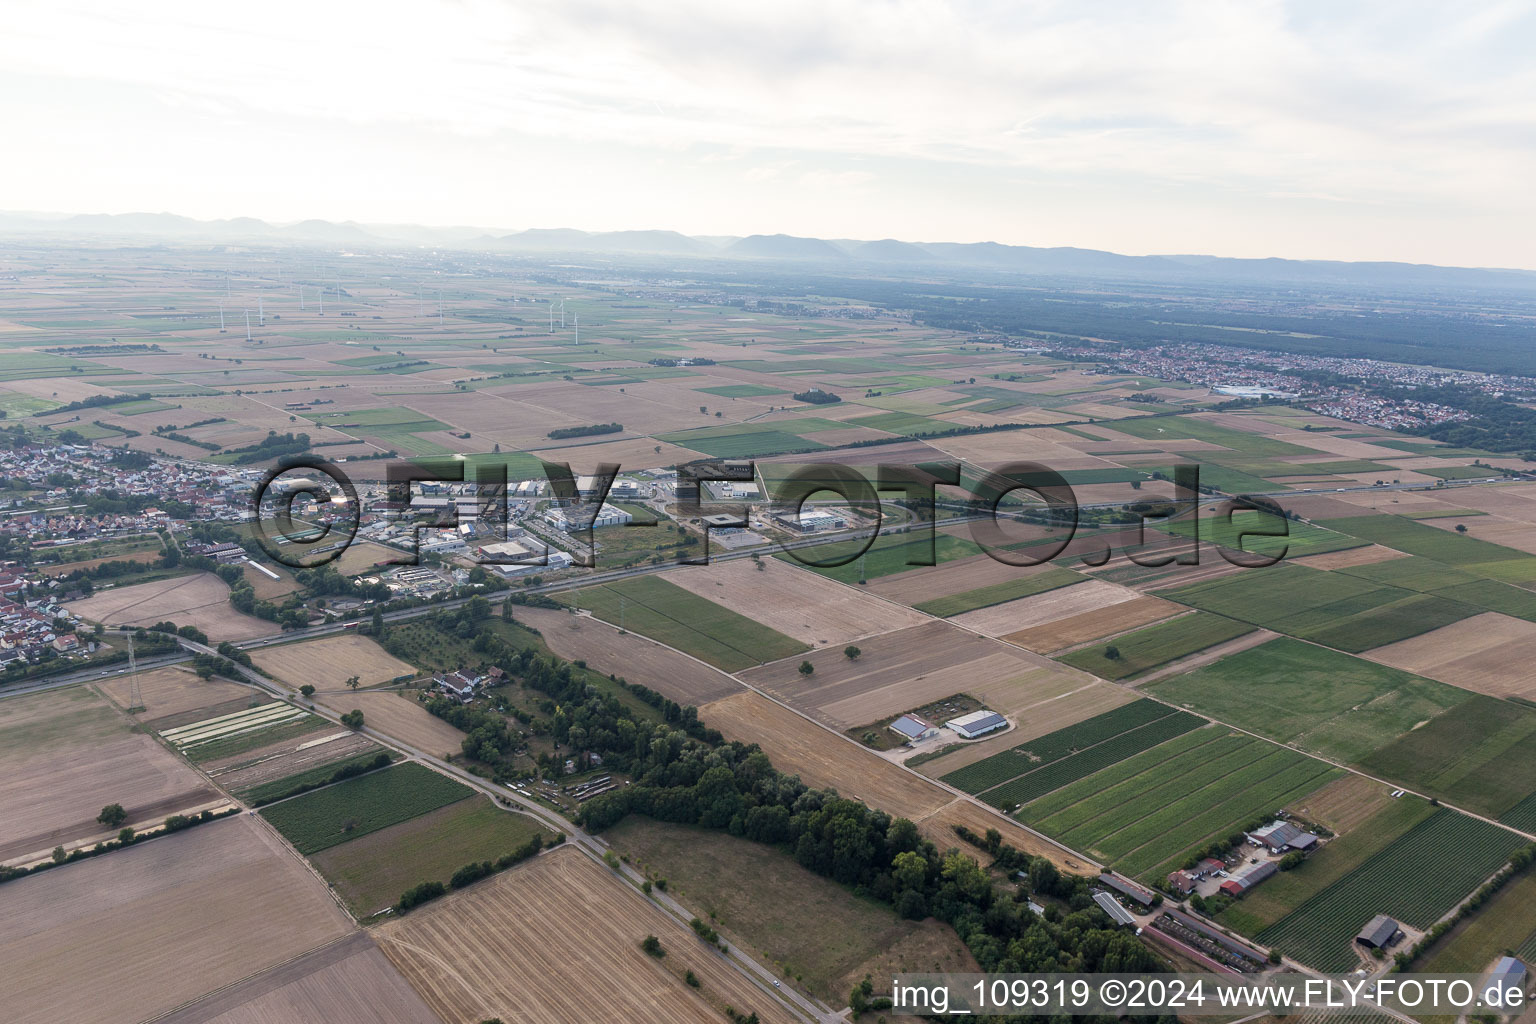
[828,253]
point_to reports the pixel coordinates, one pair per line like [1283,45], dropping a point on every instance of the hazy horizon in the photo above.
[1246,130]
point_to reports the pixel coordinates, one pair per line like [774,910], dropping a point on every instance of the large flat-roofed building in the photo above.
[608,515]
[977,723]
[1112,907]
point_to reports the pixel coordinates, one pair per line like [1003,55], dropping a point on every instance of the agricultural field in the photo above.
[473,956]
[1417,878]
[1144,649]
[176,690]
[893,673]
[348,810]
[681,619]
[201,909]
[399,716]
[1311,697]
[1503,923]
[1052,578]
[348,981]
[629,656]
[327,663]
[1144,816]
[1478,557]
[66,754]
[793,601]
[371,872]
[272,771]
[1481,755]
[200,600]
[257,725]
[1488,653]
[760,897]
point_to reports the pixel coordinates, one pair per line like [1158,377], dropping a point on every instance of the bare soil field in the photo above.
[91,563]
[144,930]
[939,828]
[1345,803]
[630,656]
[1348,559]
[925,583]
[822,759]
[349,981]
[66,754]
[289,757]
[172,690]
[794,601]
[200,600]
[505,948]
[1047,713]
[1496,529]
[1489,653]
[1012,616]
[632,454]
[896,672]
[327,663]
[398,716]
[1090,625]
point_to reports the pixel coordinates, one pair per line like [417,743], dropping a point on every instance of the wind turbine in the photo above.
[247,325]
[301,297]
[562,312]
[221,318]
[551,316]
[261,312]
[578,328]
[322,300]
[439,308]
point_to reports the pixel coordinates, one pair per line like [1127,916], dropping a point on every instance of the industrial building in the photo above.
[1140,893]
[813,520]
[977,723]
[912,728]
[608,515]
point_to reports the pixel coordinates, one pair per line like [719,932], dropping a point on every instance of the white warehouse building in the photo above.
[608,515]
[977,723]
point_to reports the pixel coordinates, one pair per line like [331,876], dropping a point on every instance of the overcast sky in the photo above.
[1400,130]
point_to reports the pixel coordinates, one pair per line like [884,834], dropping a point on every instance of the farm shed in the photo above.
[1217,936]
[1506,983]
[1279,836]
[977,723]
[1112,907]
[1243,881]
[1140,893]
[1380,933]
[913,728]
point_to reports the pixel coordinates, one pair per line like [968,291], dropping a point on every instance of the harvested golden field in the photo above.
[329,662]
[1488,653]
[66,754]
[144,930]
[399,716]
[896,672]
[1012,616]
[631,454]
[939,828]
[927,582]
[508,947]
[348,981]
[172,690]
[200,600]
[1348,559]
[362,557]
[629,656]
[1052,708]
[795,601]
[1090,625]
[823,759]
[91,563]
[1495,529]
[1345,803]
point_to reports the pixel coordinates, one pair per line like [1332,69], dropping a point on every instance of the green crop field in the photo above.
[1299,539]
[1288,890]
[1148,814]
[1503,923]
[1481,755]
[889,554]
[371,872]
[1522,816]
[276,789]
[745,445]
[1053,578]
[1416,879]
[678,618]
[1156,645]
[1334,704]
[1169,430]
[1334,609]
[1076,766]
[1041,750]
[1460,472]
[1477,556]
[348,810]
